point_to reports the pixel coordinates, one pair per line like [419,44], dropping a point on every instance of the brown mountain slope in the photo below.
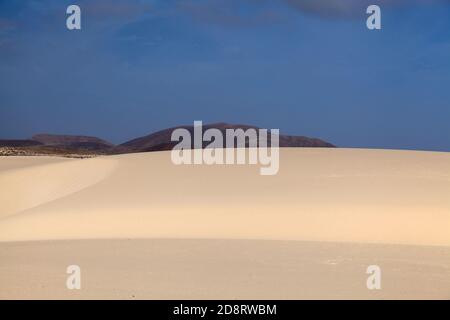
[58,145]
[161,140]
[19,143]
[69,145]
[55,139]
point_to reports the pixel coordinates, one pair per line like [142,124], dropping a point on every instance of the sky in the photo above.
[307,67]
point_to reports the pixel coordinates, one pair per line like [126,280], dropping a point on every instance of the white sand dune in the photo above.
[354,196]
[395,197]
[46,180]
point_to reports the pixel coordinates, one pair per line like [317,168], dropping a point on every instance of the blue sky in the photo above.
[307,67]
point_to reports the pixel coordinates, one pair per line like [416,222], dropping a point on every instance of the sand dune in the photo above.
[327,196]
[37,183]
[395,197]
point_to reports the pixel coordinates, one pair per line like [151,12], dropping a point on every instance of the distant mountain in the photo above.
[70,145]
[19,143]
[69,140]
[161,140]
[50,144]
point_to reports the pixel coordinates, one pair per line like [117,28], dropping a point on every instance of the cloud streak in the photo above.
[347,9]
[232,13]
[110,9]
[253,13]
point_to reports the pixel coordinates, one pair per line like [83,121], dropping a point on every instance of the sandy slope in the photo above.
[221,269]
[332,195]
[40,182]
[326,194]
[13,162]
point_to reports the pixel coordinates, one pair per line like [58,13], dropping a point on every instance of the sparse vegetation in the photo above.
[29,151]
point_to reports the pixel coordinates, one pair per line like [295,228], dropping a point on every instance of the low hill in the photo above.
[161,140]
[69,140]
[74,145]
[19,143]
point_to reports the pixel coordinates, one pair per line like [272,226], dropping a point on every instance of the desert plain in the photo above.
[141,227]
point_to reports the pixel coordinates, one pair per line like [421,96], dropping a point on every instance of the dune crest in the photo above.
[30,186]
